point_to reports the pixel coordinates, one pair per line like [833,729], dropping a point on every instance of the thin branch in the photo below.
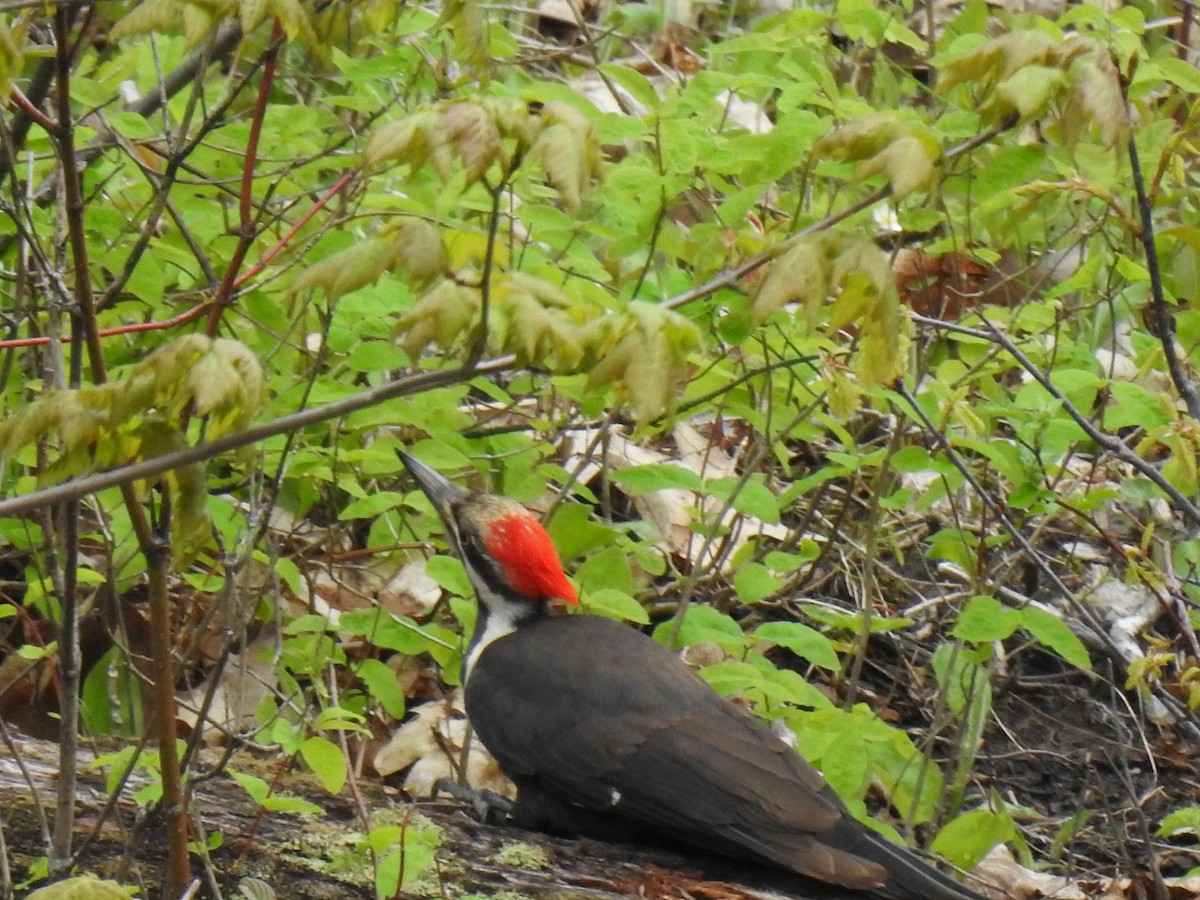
[338,185]
[731,277]
[178,873]
[23,103]
[157,465]
[246,229]
[223,41]
[1082,610]
[1164,323]
[1107,442]
[69,661]
[201,308]
[479,345]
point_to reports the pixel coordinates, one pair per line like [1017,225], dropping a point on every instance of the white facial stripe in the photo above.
[502,618]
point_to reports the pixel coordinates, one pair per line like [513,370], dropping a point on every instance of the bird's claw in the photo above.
[490,807]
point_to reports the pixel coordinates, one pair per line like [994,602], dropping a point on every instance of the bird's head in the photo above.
[506,551]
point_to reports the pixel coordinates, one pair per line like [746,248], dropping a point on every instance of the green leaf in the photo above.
[355,267]
[1135,406]
[1181,821]
[753,498]
[34,653]
[260,793]
[911,459]
[391,632]
[569,152]
[327,761]
[152,15]
[296,22]
[252,12]
[967,839]
[986,619]
[1096,100]
[384,686]
[1050,630]
[1029,91]
[11,60]
[953,545]
[733,678]
[440,316]
[799,275]
[407,141]
[375,357]
[467,131]
[371,506]
[646,353]
[615,604]
[407,851]
[609,568]
[705,625]
[753,581]
[1180,73]
[646,479]
[805,642]
[450,575]
[420,249]
[634,82]
[902,150]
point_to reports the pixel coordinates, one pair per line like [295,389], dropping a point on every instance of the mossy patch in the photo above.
[521,856]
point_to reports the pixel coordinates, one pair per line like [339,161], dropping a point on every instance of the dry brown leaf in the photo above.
[410,592]
[429,746]
[1001,876]
[247,680]
[671,512]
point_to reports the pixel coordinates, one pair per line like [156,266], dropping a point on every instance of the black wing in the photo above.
[599,716]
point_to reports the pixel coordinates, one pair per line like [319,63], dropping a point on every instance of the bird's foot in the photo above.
[490,807]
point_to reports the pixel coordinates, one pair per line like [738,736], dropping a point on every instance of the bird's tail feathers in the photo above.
[909,877]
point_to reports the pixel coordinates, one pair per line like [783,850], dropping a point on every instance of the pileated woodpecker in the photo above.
[607,733]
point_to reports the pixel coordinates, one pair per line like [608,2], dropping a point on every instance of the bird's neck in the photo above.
[498,616]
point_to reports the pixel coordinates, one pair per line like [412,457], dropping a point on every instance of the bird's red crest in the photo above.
[528,559]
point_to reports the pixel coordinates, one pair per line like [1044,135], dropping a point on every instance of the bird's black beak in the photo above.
[442,493]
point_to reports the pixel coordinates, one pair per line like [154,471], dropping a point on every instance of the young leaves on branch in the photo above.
[218,378]
[414,246]
[11,60]
[853,273]
[197,18]
[133,418]
[468,20]
[645,354]
[491,132]
[1030,72]
[906,153]
[569,152]
[529,317]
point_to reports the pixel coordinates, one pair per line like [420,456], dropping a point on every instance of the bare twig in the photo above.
[479,344]
[223,41]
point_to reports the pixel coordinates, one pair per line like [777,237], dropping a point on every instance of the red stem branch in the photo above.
[246,207]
